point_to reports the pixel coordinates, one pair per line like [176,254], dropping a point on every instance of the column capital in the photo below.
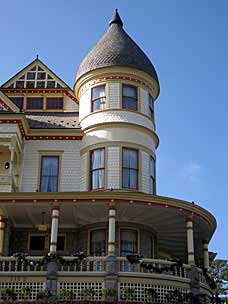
[189,218]
[56,208]
[112,206]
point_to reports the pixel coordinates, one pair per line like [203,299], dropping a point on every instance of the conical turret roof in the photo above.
[116,48]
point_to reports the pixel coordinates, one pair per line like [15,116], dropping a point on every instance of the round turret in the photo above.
[116,85]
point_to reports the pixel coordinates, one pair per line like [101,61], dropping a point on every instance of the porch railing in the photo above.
[12,264]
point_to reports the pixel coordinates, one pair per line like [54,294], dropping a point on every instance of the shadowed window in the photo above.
[128,242]
[130,168]
[97,242]
[129,97]
[49,173]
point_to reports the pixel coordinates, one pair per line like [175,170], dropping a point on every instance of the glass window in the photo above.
[31,75]
[152,175]
[130,168]
[128,242]
[20,84]
[97,242]
[18,101]
[37,242]
[54,103]
[60,242]
[151,107]
[49,173]
[129,97]
[97,169]
[35,103]
[98,98]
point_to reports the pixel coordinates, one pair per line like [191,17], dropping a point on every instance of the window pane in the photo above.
[128,242]
[20,84]
[130,159]
[35,103]
[98,92]
[18,101]
[30,84]
[50,84]
[41,75]
[130,178]
[40,84]
[55,103]
[152,167]
[97,242]
[37,242]
[129,103]
[129,91]
[150,101]
[49,173]
[98,104]
[31,75]
[152,186]
[60,242]
[97,159]
[98,179]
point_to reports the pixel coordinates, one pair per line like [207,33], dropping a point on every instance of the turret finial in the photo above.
[116,19]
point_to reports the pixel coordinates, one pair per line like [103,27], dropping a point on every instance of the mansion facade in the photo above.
[78,203]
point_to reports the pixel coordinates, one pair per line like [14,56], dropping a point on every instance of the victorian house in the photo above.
[78,179]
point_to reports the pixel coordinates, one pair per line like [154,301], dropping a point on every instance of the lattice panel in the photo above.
[139,293]
[78,288]
[35,288]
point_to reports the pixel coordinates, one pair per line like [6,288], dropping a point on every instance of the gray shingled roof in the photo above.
[53,120]
[116,48]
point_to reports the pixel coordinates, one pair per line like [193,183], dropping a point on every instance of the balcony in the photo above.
[162,277]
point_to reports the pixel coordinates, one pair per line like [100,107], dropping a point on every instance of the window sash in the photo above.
[97,169]
[54,103]
[129,94]
[35,103]
[49,173]
[97,242]
[151,106]
[152,175]
[98,98]
[130,168]
[128,242]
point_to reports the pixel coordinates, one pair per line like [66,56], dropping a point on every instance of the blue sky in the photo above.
[187,43]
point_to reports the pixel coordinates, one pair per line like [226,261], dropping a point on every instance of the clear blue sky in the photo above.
[186,41]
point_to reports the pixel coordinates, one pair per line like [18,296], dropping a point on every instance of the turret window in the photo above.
[98,98]
[97,169]
[129,97]
[130,168]
[152,175]
[151,107]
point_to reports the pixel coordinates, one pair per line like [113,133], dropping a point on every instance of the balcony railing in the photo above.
[12,264]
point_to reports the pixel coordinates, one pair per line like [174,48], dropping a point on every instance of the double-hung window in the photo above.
[152,175]
[97,242]
[130,168]
[98,98]
[129,97]
[35,103]
[128,242]
[97,168]
[151,107]
[49,173]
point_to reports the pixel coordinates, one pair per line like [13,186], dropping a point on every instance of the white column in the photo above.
[11,160]
[111,230]
[205,255]
[2,232]
[190,241]
[54,229]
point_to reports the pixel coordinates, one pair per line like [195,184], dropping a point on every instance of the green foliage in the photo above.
[151,294]
[9,294]
[65,294]
[219,272]
[26,292]
[44,295]
[109,292]
[88,293]
[129,294]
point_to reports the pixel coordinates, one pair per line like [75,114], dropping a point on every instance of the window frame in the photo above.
[136,98]
[90,231]
[151,109]
[35,97]
[49,154]
[54,109]
[92,170]
[137,170]
[137,238]
[93,100]
[153,179]
[38,235]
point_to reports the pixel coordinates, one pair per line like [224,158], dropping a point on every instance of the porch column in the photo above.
[54,229]
[12,150]
[190,241]
[111,230]
[2,232]
[205,255]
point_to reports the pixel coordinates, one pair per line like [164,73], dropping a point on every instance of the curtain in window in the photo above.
[97,164]
[130,168]
[98,98]
[129,97]
[128,243]
[49,174]
[97,242]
